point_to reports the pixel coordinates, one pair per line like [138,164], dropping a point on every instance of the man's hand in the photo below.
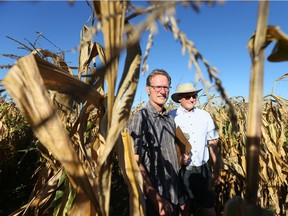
[185,159]
[216,178]
[164,207]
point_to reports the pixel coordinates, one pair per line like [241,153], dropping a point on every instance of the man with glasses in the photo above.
[153,131]
[199,128]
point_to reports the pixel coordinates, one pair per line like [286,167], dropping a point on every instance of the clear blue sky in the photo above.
[220,33]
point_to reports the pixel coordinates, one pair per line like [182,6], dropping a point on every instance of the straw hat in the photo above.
[183,89]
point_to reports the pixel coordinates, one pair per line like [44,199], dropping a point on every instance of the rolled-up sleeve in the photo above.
[135,129]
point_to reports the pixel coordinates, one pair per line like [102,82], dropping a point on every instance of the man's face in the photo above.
[188,100]
[158,90]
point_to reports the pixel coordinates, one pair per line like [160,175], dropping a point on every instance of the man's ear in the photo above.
[148,90]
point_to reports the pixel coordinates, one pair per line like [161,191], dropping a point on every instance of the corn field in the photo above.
[76,123]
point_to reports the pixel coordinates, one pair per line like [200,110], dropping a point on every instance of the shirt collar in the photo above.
[183,110]
[154,112]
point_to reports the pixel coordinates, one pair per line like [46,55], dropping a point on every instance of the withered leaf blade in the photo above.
[59,80]
[131,174]
[26,86]
[279,52]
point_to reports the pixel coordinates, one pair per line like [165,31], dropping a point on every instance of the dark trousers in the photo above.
[195,185]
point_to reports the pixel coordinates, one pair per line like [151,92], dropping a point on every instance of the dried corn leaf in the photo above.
[237,167]
[84,51]
[112,16]
[41,198]
[89,50]
[132,174]
[244,164]
[273,133]
[122,105]
[124,99]
[25,84]
[82,205]
[58,80]
[275,199]
[271,147]
[280,50]
[263,171]
[57,59]
[79,130]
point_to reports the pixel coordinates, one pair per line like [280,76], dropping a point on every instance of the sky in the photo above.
[220,33]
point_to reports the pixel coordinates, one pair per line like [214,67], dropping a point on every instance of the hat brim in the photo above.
[175,96]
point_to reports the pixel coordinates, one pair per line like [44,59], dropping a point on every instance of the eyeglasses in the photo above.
[158,88]
[187,97]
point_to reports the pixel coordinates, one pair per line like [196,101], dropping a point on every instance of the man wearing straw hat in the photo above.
[199,128]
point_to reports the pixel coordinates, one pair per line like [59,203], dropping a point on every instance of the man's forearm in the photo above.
[213,147]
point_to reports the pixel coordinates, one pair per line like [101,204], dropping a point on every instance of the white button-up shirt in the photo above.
[199,128]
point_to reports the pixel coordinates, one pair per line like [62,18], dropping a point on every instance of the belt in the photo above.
[194,168]
[190,168]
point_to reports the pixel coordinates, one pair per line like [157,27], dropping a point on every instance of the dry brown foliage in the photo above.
[78,161]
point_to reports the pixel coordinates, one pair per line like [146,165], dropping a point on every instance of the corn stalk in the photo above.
[255,106]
